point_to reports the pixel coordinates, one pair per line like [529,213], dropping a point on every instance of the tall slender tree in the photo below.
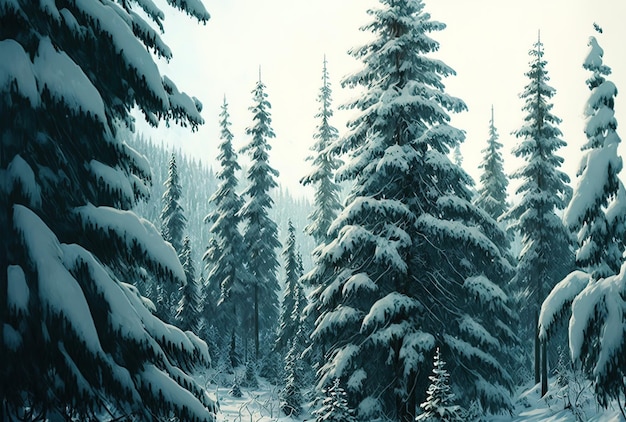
[594,295]
[409,248]
[173,218]
[77,341]
[261,233]
[190,305]
[325,164]
[547,252]
[225,260]
[492,192]
[288,321]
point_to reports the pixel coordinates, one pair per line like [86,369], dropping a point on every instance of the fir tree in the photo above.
[547,254]
[439,406]
[335,405]
[261,233]
[325,164]
[225,258]
[596,212]
[78,342]
[172,216]
[288,322]
[458,156]
[492,193]
[409,248]
[189,312]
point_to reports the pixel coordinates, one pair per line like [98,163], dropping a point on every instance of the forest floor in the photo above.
[262,405]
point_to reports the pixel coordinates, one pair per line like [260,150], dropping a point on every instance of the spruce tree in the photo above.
[439,406]
[547,254]
[189,312]
[225,259]
[492,192]
[288,322]
[173,219]
[335,406]
[594,295]
[325,164]
[410,262]
[261,233]
[78,342]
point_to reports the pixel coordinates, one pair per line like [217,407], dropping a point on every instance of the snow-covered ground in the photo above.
[262,405]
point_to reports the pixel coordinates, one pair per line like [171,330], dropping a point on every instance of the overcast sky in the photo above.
[486,42]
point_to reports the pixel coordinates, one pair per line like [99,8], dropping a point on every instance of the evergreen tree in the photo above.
[325,164]
[547,254]
[335,405]
[410,262]
[78,342]
[439,406]
[172,216]
[261,233]
[189,312]
[596,212]
[492,193]
[288,321]
[225,258]
[458,156]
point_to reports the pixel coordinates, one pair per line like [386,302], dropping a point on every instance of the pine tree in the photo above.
[335,405]
[325,164]
[261,233]
[189,312]
[225,258]
[492,193]
[411,261]
[547,254]
[173,219]
[78,342]
[439,406]
[288,322]
[457,156]
[596,212]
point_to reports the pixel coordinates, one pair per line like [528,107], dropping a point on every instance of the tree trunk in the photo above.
[544,368]
[537,352]
[256,323]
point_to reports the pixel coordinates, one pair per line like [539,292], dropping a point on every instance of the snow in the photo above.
[357,282]
[355,382]
[484,289]
[395,157]
[58,290]
[387,308]
[163,386]
[330,321]
[18,291]
[114,179]
[599,97]
[594,57]
[66,82]
[17,72]
[135,232]
[563,293]
[20,172]
[475,330]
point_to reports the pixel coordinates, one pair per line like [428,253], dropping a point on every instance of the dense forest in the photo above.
[139,283]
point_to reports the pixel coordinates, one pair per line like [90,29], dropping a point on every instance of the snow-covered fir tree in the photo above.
[261,233]
[594,295]
[326,163]
[173,223]
[457,156]
[190,305]
[173,218]
[491,195]
[439,404]
[335,406]
[78,342]
[411,261]
[225,259]
[288,322]
[547,246]
[295,371]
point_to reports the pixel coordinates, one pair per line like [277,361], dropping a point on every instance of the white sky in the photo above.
[486,42]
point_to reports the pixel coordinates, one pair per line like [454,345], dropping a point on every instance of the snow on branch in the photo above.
[559,298]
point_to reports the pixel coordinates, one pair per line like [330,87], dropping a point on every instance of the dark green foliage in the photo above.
[190,305]
[261,233]
[78,342]
[335,405]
